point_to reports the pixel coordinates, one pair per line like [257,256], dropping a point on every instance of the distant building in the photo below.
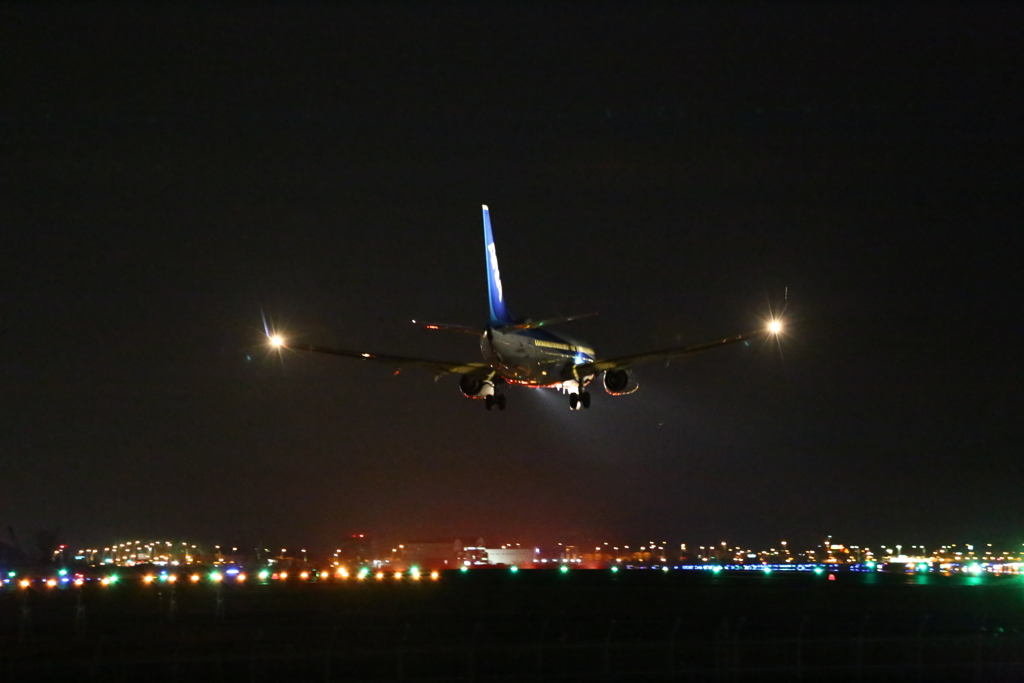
[430,554]
[355,549]
[510,556]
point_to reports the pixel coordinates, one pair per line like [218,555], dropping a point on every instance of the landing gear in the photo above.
[495,400]
[578,401]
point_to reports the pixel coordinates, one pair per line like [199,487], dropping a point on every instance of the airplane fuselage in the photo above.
[534,357]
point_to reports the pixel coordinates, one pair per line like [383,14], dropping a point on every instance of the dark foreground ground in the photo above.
[530,626]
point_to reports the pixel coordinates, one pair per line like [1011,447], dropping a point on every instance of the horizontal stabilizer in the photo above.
[533,324]
[465,329]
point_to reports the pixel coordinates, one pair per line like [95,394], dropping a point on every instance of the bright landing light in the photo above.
[277,341]
[775,326]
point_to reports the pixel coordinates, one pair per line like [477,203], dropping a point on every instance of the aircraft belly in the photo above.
[519,359]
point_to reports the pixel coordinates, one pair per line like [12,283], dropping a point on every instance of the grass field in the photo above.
[494,625]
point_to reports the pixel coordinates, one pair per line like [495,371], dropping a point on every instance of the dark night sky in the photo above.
[165,172]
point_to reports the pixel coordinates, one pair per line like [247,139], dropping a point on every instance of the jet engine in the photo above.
[476,386]
[619,382]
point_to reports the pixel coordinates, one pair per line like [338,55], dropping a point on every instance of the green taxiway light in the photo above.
[564,569]
[513,569]
[464,569]
[819,571]
[615,570]
[264,575]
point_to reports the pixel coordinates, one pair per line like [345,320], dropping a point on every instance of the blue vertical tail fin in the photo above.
[500,315]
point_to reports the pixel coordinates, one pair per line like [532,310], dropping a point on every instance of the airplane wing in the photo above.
[400,362]
[624,362]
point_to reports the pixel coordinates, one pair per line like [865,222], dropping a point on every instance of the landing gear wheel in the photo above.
[574,401]
[488,402]
[500,400]
[585,399]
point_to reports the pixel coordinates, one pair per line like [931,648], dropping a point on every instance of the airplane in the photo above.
[525,352]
